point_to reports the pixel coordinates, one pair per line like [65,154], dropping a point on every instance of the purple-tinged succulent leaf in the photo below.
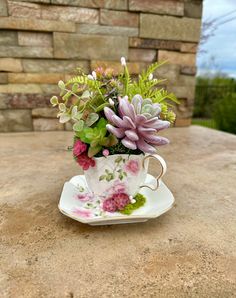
[145,147]
[118,132]
[129,144]
[116,120]
[129,122]
[132,135]
[108,113]
[157,140]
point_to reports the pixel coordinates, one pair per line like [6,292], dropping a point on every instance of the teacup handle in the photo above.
[162,173]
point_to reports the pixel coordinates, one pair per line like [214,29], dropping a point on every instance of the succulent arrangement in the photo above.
[114,113]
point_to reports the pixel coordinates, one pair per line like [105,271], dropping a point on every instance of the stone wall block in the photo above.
[38,78]
[89,46]
[109,4]
[144,55]
[35,39]
[73,14]
[3,8]
[53,66]
[170,28]
[32,24]
[177,58]
[146,43]
[24,10]
[43,124]
[15,120]
[193,9]
[10,64]
[30,52]
[106,30]
[8,38]
[119,18]
[158,7]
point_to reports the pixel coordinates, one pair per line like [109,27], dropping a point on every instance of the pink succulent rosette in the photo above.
[137,123]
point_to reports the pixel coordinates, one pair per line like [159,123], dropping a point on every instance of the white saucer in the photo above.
[79,203]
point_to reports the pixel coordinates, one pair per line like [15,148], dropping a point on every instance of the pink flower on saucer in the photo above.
[84,197]
[109,205]
[82,212]
[132,166]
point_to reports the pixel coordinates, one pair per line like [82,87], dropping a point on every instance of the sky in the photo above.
[220,49]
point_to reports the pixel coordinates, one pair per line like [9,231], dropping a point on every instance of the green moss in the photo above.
[140,201]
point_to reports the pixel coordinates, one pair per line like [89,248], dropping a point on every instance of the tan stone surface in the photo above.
[15,120]
[8,38]
[159,7]
[42,124]
[106,30]
[3,78]
[188,252]
[119,18]
[112,4]
[171,28]
[137,42]
[3,8]
[35,39]
[89,46]
[40,78]
[188,47]
[32,24]
[24,10]
[143,55]
[51,66]
[24,52]
[73,14]
[44,113]
[177,58]
[10,64]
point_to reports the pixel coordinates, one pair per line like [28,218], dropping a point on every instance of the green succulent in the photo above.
[97,137]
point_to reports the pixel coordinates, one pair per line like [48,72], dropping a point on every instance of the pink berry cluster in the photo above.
[116,202]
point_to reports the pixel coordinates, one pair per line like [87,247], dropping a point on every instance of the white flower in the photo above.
[123,62]
[90,77]
[111,102]
[150,77]
[94,75]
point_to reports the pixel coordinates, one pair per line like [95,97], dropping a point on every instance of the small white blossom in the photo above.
[94,75]
[111,102]
[123,62]
[90,77]
[150,77]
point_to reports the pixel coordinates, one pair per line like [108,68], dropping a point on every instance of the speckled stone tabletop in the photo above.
[188,252]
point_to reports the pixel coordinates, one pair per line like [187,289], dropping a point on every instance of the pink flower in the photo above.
[132,166]
[105,152]
[118,187]
[82,212]
[121,200]
[85,162]
[109,205]
[116,202]
[79,147]
[84,197]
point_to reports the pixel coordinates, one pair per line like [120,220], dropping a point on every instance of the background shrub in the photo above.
[224,113]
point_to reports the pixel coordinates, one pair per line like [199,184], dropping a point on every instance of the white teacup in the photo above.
[121,173]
